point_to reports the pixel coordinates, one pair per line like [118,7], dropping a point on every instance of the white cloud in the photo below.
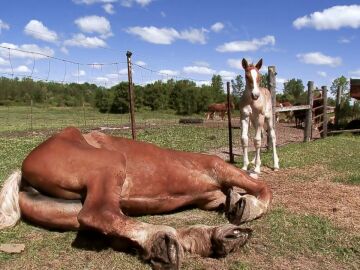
[217,27]
[4,26]
[64,50]
[140,63]
[101,79]
[168,72]
[227,75]
[38,30]
[235,63]
[318,58]
[94,24]
[194,35]
[20,69]
[4,62]
[246,45]
[332,18]
[129,3]
[80,40]
[322,73]
[199,70]
[200,83]
[124,71]
[90,2]
[155,35]
[24,51]
[201,63]
[344,40]
[166,36]
[109,8]
[79,73]
[280,80]
[355,73]
[163,14]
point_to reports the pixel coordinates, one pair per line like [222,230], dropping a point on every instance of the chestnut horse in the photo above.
[220,108]
[76,181]
[256,105]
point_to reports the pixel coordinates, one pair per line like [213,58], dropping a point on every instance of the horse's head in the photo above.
[252,77]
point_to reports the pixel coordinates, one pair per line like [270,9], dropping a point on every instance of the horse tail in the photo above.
[9,201]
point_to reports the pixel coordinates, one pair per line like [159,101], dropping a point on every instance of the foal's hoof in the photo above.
[229,238]
[166,252]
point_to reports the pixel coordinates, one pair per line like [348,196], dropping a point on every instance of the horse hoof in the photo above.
[234,207]
[166,252]
[229,238]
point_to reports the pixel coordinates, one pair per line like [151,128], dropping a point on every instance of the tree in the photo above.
[238,86]
[120,102]
[218,88]
[342,82]
[264,81]
[294,90]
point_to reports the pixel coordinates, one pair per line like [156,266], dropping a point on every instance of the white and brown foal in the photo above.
[256,106]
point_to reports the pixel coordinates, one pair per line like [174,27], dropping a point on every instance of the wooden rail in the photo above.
[292,108]
[343,131]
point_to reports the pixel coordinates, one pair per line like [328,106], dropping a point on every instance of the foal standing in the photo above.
[256,105]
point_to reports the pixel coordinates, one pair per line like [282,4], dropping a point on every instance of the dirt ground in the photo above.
[285,133]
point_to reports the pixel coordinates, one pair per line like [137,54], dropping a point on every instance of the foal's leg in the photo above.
[245,115]
[259,124]
[269,121]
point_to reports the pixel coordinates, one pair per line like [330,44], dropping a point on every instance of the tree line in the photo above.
[184,97]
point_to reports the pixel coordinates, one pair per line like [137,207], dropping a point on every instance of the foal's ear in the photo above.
[244,63]
[259,64]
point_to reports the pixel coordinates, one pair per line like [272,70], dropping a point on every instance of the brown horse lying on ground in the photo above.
[77,181]
[218,108]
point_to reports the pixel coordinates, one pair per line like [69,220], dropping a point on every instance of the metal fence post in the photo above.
[131,95]
[229,122]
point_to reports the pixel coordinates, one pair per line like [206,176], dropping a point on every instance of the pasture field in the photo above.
[314,222]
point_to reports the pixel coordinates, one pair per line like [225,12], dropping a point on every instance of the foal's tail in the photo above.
[9,201]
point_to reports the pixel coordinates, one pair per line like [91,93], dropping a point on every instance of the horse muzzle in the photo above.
[254,97]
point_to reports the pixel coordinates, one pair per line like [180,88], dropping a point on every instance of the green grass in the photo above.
[308,234]
[338,153]
[37,118]
[280,235]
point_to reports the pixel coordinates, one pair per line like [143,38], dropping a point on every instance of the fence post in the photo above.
[31,114]
[131,95]
[337,106]
[308,120]
[229,122]
[84,114]
[325,117]
[272,88]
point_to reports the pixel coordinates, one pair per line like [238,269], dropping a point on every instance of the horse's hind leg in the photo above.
[269,121]
[245,138]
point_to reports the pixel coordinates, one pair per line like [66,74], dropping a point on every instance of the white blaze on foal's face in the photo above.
[255,91]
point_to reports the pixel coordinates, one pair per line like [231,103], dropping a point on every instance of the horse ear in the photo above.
[259,64]
[244,63]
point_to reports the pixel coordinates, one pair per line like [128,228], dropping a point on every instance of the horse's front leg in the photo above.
[270,124]
[245,117]
[259,124]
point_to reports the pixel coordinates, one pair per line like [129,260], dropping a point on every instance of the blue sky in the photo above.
[310,40]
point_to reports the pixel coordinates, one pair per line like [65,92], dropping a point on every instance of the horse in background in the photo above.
[256,105]
[220,108]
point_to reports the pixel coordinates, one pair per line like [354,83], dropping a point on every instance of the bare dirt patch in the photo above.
[311,191]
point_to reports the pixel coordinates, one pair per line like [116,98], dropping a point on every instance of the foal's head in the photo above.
[252,77]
